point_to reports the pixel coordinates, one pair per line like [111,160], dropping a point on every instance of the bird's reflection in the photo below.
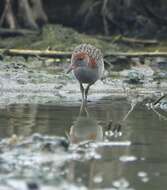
[85,128]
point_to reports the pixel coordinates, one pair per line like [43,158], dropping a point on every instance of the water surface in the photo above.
[40,124]
[135,160]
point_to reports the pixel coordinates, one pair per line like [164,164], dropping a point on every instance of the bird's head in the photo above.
[78,60]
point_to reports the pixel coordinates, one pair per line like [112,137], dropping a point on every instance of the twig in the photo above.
[159,99]
[158,114]
[107,63]
[130,111]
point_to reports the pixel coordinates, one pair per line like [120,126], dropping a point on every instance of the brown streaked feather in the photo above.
[90,50]
[79,55]
[92,63]
[94,54]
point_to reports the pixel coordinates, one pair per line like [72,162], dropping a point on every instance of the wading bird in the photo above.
[87,65]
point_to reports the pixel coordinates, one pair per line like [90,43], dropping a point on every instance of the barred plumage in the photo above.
[94,53]
[90,50]
[87,65]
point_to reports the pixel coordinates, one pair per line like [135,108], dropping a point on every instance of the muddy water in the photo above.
[137,159]
[119,142]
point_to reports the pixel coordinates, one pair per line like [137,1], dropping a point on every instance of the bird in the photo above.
[85,128]
[87,65]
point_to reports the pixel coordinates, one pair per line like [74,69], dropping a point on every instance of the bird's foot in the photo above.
[114,130]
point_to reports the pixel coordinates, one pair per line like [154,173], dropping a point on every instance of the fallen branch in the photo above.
[42,53]
[63,54]
[137,41]
[127,40]
[137,54]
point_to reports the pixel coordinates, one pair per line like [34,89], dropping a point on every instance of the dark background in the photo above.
[127,17]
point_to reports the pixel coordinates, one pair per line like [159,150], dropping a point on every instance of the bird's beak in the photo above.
[70,68]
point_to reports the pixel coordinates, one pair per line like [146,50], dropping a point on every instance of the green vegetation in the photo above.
[55,37]
[58,37]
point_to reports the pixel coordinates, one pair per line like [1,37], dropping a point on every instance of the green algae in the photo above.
[56,37]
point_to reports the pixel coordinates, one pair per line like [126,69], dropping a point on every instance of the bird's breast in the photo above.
[86,74]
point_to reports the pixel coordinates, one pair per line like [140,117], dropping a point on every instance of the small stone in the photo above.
[32,186]
[98,179]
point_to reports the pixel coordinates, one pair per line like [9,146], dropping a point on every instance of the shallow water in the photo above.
[135,160]
[45,142]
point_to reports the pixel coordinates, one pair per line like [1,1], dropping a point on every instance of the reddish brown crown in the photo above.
[95,55]
[80,55]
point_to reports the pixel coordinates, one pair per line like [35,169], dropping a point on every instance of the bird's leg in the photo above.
[86,111]
[83,92]
[86,91]
[83,99]
[83,110]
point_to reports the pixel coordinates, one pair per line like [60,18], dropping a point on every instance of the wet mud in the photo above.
[47,143]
